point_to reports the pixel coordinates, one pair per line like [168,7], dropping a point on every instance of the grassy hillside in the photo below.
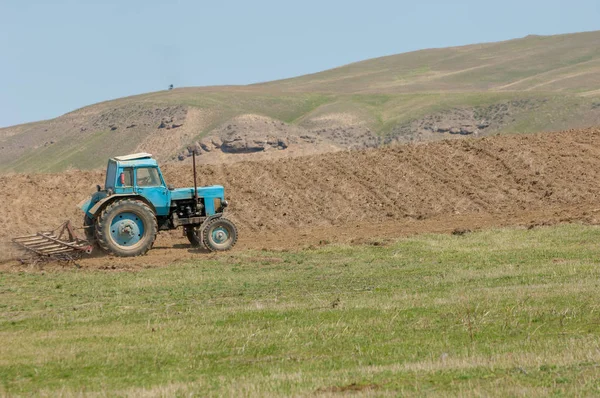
[494,313]
[565,63]
[542,83]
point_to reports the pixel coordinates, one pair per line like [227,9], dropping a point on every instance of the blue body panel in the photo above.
[208,193]
[159,196]
[87,205]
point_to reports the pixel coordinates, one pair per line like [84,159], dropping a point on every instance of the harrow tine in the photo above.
[53,244]
[57,251]
[45,245]
[31,239]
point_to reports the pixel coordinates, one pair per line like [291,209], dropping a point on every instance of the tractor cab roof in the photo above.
[141,159]
[133,156]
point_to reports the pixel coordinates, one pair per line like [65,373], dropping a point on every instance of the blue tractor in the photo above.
[124,217]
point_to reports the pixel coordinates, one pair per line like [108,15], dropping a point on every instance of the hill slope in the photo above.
[525,85]
[564,63]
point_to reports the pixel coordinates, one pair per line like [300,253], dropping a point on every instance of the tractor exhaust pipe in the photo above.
[195,178]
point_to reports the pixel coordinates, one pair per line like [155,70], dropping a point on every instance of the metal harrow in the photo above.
[60,242]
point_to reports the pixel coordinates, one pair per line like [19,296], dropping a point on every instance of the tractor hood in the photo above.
[215,191]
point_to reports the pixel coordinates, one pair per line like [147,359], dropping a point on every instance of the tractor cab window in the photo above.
[111,175]
[126,178]
[147,177]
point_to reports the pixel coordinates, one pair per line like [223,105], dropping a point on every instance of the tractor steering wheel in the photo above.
[145,181]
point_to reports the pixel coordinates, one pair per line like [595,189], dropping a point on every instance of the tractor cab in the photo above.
[123,173]
[139,174]
[132,175]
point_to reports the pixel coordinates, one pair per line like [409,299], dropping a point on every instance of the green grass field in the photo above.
[503,313]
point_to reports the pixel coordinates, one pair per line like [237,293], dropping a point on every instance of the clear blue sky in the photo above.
[60,55]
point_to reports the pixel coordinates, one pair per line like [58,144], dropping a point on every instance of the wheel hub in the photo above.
[127,229]
[220,235]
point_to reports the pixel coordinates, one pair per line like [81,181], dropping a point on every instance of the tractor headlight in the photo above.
[224,203]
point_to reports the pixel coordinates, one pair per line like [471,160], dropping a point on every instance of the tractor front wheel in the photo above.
[126,228]
[219,234]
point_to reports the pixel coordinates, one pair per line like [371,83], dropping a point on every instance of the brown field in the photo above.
[354,196]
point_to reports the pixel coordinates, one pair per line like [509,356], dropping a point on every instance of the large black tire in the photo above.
[193,236]
[106,226]
[89,229]
[219,234]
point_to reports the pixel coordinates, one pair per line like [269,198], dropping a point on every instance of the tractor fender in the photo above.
[94,210]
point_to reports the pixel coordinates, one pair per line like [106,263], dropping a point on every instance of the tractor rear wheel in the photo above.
[219,234]
[126,228]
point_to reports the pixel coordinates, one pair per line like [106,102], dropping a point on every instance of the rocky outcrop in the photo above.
[239,144]
[216,141]
[250,134]
[462,121]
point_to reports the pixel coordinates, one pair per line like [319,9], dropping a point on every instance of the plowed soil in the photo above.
[355,196]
